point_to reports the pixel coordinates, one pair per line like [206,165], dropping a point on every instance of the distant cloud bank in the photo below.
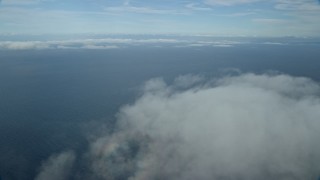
[166,41]
[237,127]
[107,43]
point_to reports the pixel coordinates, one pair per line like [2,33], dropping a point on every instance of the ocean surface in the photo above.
[51,98]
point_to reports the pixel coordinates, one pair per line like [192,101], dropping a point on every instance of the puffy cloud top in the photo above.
[240,127]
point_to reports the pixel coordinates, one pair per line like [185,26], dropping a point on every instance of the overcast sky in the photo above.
[214,17]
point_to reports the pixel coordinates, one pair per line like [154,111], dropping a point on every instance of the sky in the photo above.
[208,17]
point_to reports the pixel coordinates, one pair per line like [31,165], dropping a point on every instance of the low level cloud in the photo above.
[104,43]
[240,127]
[57,167]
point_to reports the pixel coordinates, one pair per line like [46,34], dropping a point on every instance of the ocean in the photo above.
[51,100]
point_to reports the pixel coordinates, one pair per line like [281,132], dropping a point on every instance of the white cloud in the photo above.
[221,43]
[99,47]
[241,14]
[112,43]
[269,21]
[104,43]
[237,127]
[187,81]
[142,10]
[229,2]
[298,5]
[33,16]
[23,45]
[126,3]
[303,15]
[20,2]
[57,167]
[196,7]
[243,127]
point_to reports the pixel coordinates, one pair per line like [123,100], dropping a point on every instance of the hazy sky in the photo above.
[215,17]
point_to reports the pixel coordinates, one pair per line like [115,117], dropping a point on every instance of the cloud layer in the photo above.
[110,43]
[229,2]
[241,127]
[165,41]
[103,43]
[57,167]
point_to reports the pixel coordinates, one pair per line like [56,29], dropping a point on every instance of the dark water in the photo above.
[49,97]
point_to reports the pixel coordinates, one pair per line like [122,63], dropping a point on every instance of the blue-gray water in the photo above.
[48,97]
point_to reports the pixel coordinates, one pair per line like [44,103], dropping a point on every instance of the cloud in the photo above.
[126,2]
[217,43]
[239,127]
[196,7]
[298,5]
[57,167]
[269,21]
[112,43]
[293,14]
[141,10]
[104,43]
[229,2]
[166,41]
[187,81]
[239,14]
[99,47]
[20,2]
[23,45]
